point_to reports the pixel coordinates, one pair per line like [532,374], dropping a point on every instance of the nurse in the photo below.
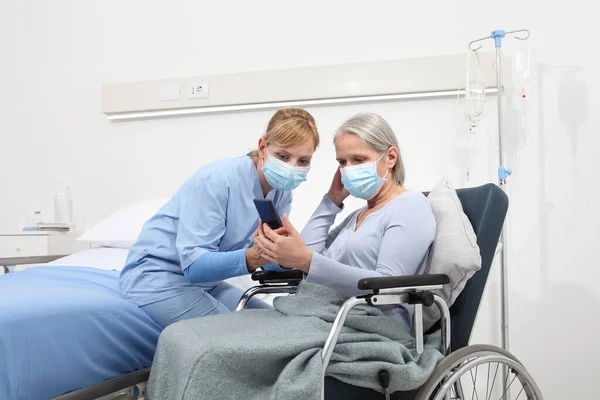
[204,234]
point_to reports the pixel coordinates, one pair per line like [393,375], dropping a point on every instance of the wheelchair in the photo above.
[466,370]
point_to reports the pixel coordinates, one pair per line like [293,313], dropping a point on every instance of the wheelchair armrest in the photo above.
[393,282]
[293,275]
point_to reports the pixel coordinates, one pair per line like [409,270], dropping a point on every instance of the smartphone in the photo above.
[268,213]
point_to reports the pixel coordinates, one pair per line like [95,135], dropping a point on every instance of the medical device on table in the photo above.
[63,205]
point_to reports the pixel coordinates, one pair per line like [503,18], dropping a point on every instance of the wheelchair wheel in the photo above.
[480,372]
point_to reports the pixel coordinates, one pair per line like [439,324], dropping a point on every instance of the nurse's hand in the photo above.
[254,258]
[337,192]
[286,248]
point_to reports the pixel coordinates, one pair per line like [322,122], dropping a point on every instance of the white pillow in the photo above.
[122,228]
[454,251]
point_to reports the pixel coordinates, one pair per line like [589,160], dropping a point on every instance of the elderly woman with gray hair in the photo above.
[274,353]
[390,236]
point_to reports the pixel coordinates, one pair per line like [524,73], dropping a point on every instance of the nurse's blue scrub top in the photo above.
[213,211]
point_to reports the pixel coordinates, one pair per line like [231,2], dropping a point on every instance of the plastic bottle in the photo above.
[37,218]
[63,205]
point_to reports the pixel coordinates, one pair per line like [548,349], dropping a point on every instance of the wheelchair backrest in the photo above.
[486,208]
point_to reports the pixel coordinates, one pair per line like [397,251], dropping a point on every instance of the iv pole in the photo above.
[503,171]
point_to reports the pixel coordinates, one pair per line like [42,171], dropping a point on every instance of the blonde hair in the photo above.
[291,126]
[378,134]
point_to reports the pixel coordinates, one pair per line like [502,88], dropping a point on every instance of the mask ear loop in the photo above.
[380,158]
[262,160]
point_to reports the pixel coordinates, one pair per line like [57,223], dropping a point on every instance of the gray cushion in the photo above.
[454,251]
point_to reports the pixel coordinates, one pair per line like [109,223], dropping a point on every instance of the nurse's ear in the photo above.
[262,148]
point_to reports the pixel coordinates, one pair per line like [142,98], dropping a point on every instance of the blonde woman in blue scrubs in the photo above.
[204,234]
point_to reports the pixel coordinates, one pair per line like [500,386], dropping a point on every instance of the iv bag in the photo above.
[474,103]
[522,76]
[522,65]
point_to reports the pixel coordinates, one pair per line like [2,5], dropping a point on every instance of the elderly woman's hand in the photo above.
[337,192]
[284,247]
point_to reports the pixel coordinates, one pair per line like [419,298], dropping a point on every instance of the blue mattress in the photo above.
[66,328]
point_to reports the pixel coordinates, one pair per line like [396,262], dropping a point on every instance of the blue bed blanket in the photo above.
[65,328]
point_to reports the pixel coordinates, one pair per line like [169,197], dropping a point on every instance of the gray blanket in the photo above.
[276,354]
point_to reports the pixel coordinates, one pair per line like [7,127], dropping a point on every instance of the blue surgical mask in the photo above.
[283,176]
[362,180]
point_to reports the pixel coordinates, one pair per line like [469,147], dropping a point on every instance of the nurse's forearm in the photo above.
[217,266]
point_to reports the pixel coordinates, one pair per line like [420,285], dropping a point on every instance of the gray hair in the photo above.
[378,134]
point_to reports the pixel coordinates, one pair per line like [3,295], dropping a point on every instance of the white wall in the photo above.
[56,55]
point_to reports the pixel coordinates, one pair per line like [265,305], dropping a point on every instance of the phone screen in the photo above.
[268,213]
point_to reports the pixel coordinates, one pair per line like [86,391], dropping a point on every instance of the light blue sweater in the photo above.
[392,241]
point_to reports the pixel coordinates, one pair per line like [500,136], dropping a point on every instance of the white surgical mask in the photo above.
[283,176]
[362,180]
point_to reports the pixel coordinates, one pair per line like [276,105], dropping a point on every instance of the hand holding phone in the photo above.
[284,246]
[268,213]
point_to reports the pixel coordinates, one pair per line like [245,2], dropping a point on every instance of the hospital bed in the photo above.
[66,333]
[456,376]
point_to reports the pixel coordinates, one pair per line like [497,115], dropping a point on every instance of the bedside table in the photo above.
[37,247]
